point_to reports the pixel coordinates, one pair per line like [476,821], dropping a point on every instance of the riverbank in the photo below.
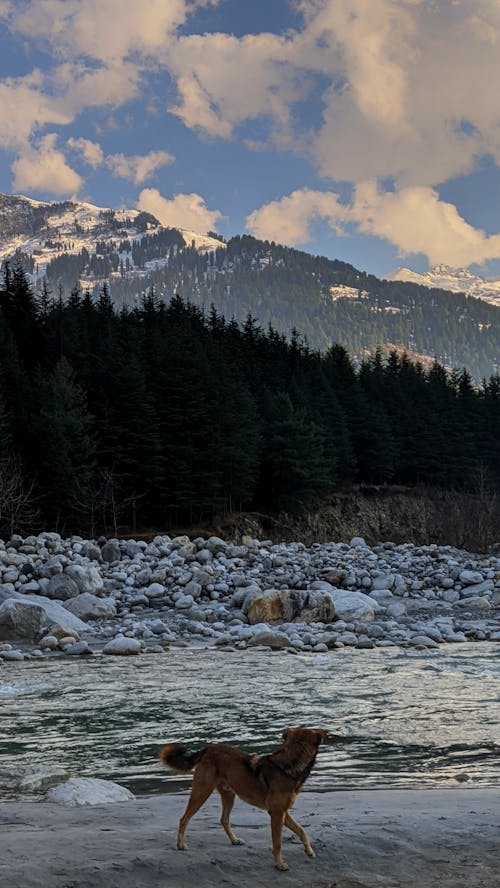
[57,595]
[366,839]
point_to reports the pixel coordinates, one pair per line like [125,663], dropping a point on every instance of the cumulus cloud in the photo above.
[44,169]
[139,167]
[400,89]
[214,71]
[91,152]
[26,106]
[107,31]
[289,219]
[183,210]
[413,219]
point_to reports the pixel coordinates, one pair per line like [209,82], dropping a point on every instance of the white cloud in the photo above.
[214,71]
[140,167]
[25,107]
[413,219]
[183,210]
[402,89]
[108,31]
[289,219]
[91,152]
[44,169]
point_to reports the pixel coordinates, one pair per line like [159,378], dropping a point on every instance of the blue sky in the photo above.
[365,130]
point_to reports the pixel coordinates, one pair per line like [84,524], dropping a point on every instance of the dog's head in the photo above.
[309,736]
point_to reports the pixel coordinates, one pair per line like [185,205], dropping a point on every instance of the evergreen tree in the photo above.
[65,447]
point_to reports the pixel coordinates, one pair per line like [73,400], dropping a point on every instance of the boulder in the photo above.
[475,602]
[55,612]
[122,646]
[319,608]
[79,791]
[88,579]
[286,605]
[470,577]
[277,606]
[20,621]
[271,639]
[354,606]
[111,551]
[32,778]
[423,641]
[62,587]
[88,607]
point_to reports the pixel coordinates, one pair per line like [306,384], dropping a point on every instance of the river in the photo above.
[396,718]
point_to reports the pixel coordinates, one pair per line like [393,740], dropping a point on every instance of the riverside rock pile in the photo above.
[79,597]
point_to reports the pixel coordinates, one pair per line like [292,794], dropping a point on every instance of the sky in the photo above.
[363,130]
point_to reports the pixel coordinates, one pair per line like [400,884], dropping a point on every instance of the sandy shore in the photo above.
[389,839]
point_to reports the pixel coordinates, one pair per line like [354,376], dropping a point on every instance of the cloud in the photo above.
[44,169]
[138,168]
[289,219]
[412,219]
[183,210]
[400,89]
[91,152]
[214,71]
[107,31]
[26,107]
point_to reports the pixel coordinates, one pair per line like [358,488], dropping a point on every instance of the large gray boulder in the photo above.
[271,638]
[79,791]
[111,551]
[122,646]
[62,587]
[89,607]
[20,621]
[354,606]
[87,578]
[55,612]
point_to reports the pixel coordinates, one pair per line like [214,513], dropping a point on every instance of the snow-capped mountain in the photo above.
[458,280]
[72,238]
[75,244]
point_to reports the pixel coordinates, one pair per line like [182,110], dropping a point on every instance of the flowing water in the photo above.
[395,718]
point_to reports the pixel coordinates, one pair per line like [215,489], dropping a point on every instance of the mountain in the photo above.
[68,244]
[458,280]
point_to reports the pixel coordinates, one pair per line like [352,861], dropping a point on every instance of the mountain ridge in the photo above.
[457,280]
[66,244]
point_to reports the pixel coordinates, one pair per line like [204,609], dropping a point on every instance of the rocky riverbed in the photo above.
[78,597]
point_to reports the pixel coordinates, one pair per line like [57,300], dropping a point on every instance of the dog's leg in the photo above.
[277,820]
[300,832]
[227,798]
[202,787]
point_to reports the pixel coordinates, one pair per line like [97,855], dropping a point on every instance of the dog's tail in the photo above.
[174,756]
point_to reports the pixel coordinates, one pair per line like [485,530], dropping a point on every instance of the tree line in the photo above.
[167,415]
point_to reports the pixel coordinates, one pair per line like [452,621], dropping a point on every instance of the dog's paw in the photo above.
[282,866]
[181,846]
[310,852]
[237,841]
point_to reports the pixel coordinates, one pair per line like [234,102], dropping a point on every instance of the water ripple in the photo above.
[394,718]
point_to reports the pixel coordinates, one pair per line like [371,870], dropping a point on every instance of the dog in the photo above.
[271,782]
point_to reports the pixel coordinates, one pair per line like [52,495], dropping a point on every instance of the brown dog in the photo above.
[270,781]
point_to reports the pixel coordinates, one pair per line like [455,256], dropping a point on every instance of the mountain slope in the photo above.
[66,244]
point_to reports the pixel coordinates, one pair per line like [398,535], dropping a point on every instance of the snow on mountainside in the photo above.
[39,233]
[458,280]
